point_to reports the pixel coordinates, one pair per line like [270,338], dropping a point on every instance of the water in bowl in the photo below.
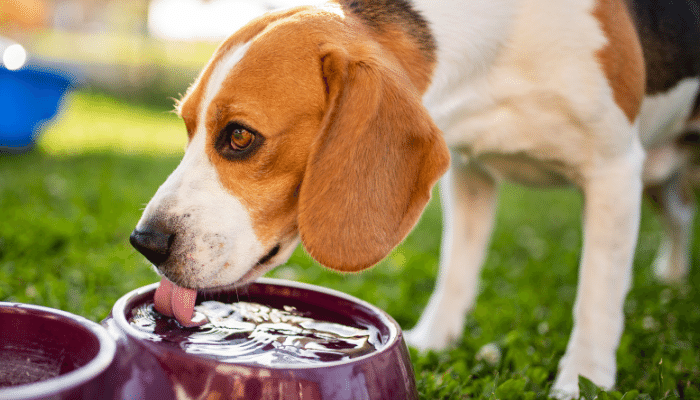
[20,365]
[245,332]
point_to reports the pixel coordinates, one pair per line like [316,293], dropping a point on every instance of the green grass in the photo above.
[69,206]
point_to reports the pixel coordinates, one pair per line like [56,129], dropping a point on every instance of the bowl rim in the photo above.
[93,368]
[394,337]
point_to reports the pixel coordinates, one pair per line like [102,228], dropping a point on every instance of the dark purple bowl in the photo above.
[51,354]
[148,369]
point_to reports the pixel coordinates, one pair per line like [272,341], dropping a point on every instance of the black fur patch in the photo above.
[378,13]
[670,36]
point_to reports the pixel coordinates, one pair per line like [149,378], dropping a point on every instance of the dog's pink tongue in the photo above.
[178,302]
[161,299]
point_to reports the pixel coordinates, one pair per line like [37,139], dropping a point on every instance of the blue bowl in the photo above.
[29,98]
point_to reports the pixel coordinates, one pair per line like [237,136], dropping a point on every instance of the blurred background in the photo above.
[142,51]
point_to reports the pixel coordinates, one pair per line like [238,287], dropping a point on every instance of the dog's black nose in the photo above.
[153,244]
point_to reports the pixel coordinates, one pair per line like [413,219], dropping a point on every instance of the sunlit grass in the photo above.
[91,122]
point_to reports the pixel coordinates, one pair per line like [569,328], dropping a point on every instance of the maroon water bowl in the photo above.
[51,354]
[149,369]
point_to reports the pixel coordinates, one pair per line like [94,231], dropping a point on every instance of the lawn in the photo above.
[69,206]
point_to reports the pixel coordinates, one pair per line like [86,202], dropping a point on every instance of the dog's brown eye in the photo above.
[241,139]
[238,141]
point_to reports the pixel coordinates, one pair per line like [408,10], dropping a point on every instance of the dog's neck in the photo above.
[401,30]
[466,36]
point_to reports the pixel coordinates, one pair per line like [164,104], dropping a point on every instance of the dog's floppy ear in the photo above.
[372,167]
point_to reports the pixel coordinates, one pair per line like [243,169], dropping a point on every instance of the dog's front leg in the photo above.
[469,198]
[612,196]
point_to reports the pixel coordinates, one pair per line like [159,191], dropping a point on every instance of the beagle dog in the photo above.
[330,125]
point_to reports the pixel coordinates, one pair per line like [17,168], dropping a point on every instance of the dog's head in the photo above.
[300,126]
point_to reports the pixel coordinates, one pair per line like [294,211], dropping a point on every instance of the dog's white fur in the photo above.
[518,97]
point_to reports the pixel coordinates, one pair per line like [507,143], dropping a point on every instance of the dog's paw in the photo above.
[422,342]
[563,391]
[669,269]
[424,337]
[581,363]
